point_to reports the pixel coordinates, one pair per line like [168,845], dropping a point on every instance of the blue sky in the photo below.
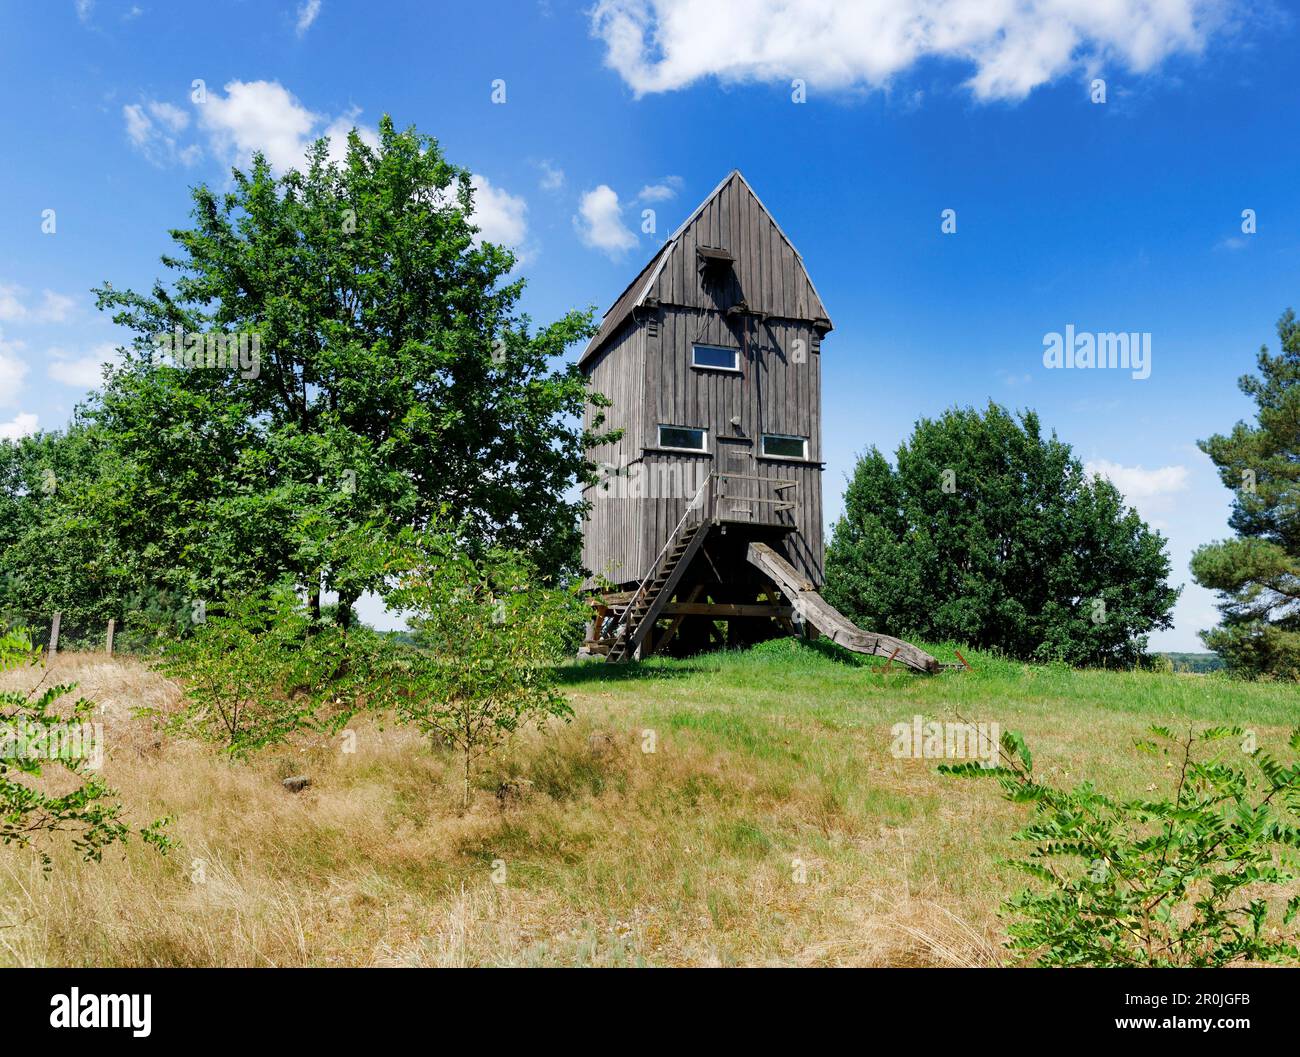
[1122,215]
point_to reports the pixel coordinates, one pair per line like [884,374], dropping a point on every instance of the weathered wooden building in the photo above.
[711,359]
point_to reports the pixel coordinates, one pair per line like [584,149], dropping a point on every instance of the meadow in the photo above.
[770,825]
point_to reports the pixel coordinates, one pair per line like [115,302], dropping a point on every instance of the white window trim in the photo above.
[764,453]
[704,433]
[735,357]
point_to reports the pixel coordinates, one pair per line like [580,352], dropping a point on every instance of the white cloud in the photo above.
[552,176]
[170,116]
[599,222]
[83,372]
[13,369]
[662,191]
[1137,483]
[11,305]
[24,425]
[265,116]
[152,128]
[1013,45]
[84,9]
[53,308]
[307,12]
[499,215]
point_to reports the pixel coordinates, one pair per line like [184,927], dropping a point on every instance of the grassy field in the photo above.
[606,854]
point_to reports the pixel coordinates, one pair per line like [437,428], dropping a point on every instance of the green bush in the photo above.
[1188,879]
[258,669]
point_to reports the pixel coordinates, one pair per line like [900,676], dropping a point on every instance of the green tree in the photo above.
[488,636]
[256,671]
[1258,572]
[395,380]
[988,533]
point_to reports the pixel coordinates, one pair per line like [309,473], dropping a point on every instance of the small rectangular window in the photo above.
[780,446]
[683,437]
[715,357]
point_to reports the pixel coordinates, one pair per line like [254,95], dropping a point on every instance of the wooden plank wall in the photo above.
[612,529]
[772,277]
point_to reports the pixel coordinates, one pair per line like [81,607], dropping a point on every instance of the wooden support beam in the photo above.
[695,593]
[723,610]
[816,611]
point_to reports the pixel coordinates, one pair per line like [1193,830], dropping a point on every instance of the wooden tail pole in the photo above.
[54,633]
[112,625]
[819,613]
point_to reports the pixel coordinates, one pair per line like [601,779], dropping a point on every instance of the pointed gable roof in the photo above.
[770,269]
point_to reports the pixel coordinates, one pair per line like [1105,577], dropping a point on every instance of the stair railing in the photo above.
[695,504]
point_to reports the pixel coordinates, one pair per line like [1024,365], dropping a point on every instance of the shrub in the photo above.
[488,635]
[1179,880]
[259,669]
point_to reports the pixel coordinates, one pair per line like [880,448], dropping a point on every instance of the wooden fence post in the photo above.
[54,634]
[112,623]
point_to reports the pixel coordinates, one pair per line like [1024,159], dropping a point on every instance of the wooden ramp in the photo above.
[830,621]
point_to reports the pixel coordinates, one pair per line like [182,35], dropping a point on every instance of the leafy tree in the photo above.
[53,556]
[395,380]
[990,534]
[488,637]
[257,670]
[1258,572]
[36,734]
[1186,879]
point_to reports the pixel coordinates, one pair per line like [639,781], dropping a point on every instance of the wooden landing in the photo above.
[830,621]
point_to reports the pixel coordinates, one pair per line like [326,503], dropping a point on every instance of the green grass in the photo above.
[769,765]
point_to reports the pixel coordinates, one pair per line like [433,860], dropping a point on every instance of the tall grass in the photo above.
[771,825]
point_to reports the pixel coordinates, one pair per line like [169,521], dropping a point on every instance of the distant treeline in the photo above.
[1194,662]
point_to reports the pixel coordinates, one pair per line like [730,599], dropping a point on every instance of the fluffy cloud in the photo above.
[13,369]
[307,12]
[82,372]
[53,308]
[1137,483]
[153,127]
[265,116]
[552,176]
[1013,45]
[23,425]
[662,191]
[599,222]
[499,215]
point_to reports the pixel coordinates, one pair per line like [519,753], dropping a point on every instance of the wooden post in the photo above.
[54,633]
[112,623]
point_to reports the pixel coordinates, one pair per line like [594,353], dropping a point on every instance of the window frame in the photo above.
[701,430]
[735,358]
[765,454]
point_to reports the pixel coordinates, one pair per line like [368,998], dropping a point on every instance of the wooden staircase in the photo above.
[654,593]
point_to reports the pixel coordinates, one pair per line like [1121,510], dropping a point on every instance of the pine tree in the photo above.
[1258,572]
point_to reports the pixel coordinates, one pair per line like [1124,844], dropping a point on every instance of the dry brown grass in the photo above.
[612,856]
